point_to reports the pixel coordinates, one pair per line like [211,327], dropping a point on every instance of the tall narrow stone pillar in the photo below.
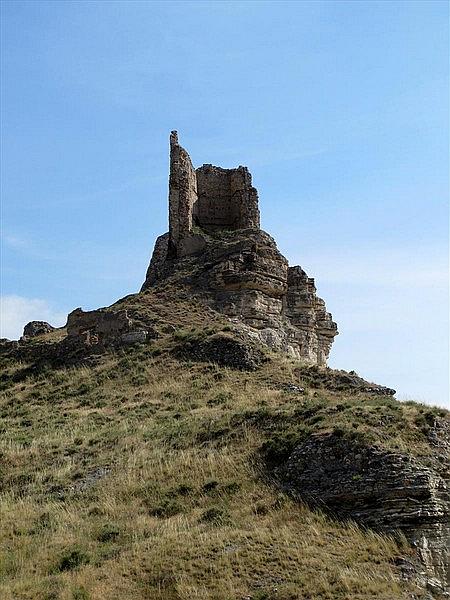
[182,193]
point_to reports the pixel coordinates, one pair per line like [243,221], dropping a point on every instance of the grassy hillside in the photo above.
[138,475]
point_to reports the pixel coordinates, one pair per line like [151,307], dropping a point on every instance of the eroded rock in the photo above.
[216,249]
[340,381]
[223,350]
[35,328]
[383,490]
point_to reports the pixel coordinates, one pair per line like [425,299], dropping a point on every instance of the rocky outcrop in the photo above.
[376,488]
[216,249]
[222,349]
[35,328]
[340,381]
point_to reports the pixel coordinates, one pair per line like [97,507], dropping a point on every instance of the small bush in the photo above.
[43,522]
[232,487]
[219,398]
[166,509]
[72,560]
[261,509]
[192,335]
[262,595]
[210,486]
[214,515]
[108,533]
[278,449]
[84,388]
[80,594]
[181,490]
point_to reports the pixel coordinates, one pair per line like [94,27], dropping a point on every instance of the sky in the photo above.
[339,109]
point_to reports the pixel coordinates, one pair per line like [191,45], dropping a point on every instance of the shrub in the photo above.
[232,487]
[168,508]
[73,559]
[219,398]
[181,490]
[108,533]
[277,449]
[80,594]
[210,486]
[43,522]
[261,509]
[214,515]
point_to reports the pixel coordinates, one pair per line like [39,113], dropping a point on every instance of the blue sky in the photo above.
[339,109]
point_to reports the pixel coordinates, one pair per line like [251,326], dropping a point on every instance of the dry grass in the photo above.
[140,478]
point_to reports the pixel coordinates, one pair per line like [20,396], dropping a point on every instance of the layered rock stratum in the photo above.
[384,490]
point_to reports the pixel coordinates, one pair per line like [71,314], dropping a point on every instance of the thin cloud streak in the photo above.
[15,242]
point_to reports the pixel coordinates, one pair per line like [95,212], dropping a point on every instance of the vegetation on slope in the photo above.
[142,476]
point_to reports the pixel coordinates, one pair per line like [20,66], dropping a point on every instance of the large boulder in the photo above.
[221,349]
[35,328]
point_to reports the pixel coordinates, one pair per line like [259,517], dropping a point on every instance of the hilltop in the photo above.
[189,441]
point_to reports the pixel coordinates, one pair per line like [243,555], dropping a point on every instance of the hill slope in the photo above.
[158,470]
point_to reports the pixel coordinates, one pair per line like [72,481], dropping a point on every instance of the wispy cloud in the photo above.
[16,242]
[28,247]
[17,311]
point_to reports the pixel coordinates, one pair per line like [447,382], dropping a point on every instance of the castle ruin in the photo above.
[209,197]
[216,249]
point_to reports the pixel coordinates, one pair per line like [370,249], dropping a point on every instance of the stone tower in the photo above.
[210,198]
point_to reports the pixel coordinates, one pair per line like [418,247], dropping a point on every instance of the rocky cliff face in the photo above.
[382,490]
[216,249]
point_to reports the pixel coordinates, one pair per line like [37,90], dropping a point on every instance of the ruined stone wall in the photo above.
[245,197]
[226,199]
[214,208]
[102,327]
[182,192]
[210,197]
[99,321]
